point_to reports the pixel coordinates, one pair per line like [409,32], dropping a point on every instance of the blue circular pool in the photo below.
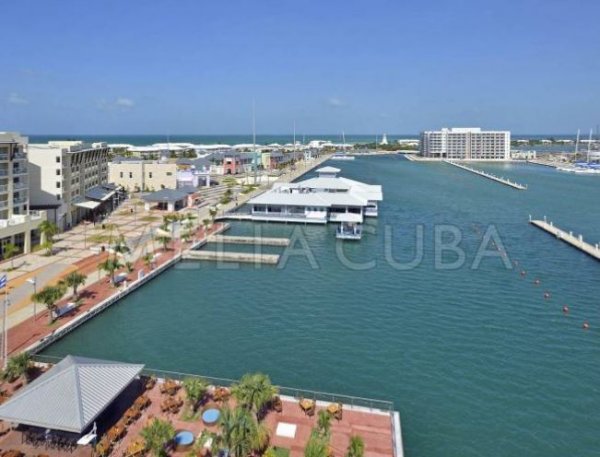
[184,438]
[210,416]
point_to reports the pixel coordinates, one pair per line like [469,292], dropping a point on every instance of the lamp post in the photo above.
[33,282]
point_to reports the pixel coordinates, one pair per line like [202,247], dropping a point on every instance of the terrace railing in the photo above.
[363,402]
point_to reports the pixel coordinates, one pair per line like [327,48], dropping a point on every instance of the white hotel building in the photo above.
[465,144]
[18,225]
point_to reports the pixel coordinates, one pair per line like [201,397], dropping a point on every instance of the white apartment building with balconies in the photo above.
[69,179]
[18,225]
[465,144]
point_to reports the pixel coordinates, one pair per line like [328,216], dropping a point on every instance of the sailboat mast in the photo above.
[255,159]
[589,146]
[577,143]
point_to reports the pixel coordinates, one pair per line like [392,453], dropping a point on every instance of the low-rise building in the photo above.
[18,224]
[465,144]
[136,175]
[69,179]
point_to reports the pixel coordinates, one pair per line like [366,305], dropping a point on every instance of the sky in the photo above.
[197,67]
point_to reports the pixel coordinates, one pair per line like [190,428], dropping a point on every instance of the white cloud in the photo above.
[16,99]
[121,103]
[125,102]
[335,102]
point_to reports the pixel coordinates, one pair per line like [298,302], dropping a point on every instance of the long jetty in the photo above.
[567,237]
[255,240]
[224,256]
[505,181]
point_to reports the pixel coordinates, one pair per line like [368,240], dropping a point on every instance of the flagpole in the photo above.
[4,335]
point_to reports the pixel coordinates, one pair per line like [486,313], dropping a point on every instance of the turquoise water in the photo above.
[475,360]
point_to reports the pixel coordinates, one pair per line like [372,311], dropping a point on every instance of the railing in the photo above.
[3,156]
[19,171]
[18,201]
[4,188]
[20,185]
[370,403]
[19,156]
[3,204]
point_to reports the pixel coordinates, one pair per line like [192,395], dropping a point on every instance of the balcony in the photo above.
[20,185]
[3,204]
[19,201]
[18,156]
[3,188]
[19,171]
[3,172]
[3,156]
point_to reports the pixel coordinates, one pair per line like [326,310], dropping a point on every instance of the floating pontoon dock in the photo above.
[505,181]
[223,256]
[568,237]
[256,240]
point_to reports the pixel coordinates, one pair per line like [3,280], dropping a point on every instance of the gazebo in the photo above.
[71,395]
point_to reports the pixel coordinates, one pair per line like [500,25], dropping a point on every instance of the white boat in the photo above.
[342,156]
[349,231]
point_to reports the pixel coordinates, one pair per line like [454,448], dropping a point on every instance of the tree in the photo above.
[316,446]
[17,366]
[156,435]
[254,392]
[195,388]
[356,447]
[48,230]
[120,246]
[324,423]
[74,280]
[205,223]
[8,252]
[110,266]
[164,240]
[148,260]
[48,296]
[240,433]
[213,213]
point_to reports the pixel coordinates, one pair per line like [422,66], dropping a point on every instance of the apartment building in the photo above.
[69,179]
[466,144]
[142,175]
[18,225]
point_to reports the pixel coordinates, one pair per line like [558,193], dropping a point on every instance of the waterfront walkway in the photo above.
[568,237]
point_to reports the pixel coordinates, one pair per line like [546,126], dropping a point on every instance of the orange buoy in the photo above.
[566,309]
[585,325]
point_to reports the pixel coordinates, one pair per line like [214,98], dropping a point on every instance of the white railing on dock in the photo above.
[593,250]
[484,174]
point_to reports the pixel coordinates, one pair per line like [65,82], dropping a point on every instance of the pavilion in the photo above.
[71,395]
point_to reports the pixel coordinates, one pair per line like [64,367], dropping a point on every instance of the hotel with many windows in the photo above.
[465,144]
[18,225]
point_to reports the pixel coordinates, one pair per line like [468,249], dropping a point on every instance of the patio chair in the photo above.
[277,404]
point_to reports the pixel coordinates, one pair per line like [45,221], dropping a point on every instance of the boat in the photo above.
[342,156]
[582,167]
[349,231]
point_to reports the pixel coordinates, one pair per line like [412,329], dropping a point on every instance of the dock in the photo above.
[567,237]
[255,240]
[222,256]
[505,181]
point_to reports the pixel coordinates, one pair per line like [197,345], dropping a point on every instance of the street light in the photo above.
[33,282]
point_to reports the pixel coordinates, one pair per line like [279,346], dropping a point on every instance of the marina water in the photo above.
[475,359]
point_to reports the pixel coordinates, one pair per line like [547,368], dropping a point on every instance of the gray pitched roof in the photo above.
[165,196]
[70,395]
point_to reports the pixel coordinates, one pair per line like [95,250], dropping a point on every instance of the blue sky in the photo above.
[531,66]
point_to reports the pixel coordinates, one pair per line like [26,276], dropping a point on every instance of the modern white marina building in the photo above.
[322,199]
[465,144]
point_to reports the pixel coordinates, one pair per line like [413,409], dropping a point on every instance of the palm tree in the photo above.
[324,423]
[356,448]
[74,280]
[110,266]
[17,366]
[206,223]
[48,229]
[213,213]
[120,246]
[8,252]
[254,392]
[48,296]
[240,433]
[148,260]
[195,388]
[156,435]
[164,240]
[316,446]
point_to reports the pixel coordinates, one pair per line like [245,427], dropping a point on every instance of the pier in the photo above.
[256,240]
[505,181]
[567,237]
[222,256]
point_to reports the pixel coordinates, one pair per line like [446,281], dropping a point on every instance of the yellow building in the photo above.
[142,175]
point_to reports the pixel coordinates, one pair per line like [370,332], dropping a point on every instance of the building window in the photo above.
[58,184]
[150,174]
[57,159]
[169,173]
[130,175]
[121,174]
[58,172]
[58,196]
